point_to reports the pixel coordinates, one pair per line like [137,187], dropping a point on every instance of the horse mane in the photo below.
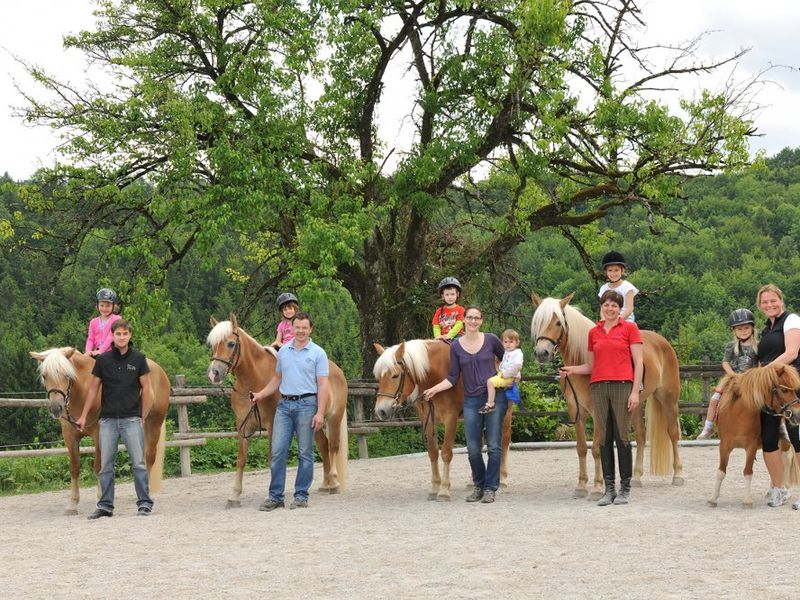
[57,366]
[578,326]
[221,330]
[415,359]
[755,385]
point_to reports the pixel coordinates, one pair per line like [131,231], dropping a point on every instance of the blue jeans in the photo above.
[292,417]
[132,434]
[485,476]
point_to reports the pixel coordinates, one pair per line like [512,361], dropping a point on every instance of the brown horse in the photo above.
[403,372]
[772,388]
[558,326]
[253,365]
[66,374]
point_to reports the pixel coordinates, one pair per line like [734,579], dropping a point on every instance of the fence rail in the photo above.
[360,392]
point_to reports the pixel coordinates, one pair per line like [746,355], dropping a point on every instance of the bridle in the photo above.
[230,365]
[400,385]
[65,396]
[556,344]
[785,408]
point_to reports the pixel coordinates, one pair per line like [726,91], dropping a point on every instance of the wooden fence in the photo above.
[362,394]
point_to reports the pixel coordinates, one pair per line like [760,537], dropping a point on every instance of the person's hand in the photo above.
[428,394]
[317,422]
[564,371]
[633,400]
[254,397]
[80,423]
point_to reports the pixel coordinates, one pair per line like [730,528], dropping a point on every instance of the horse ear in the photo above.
[779,369]
[233,322]
[535,298]
[37,355]
[401,350]
[378,348]
[564,301]
[68,352]
[212,321]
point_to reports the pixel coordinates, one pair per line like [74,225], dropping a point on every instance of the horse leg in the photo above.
[674,429]
[73,446]
[323,446]
[640,431]
[447,456]
[432,441]
[599,483]
[724,455]
[581,447]
[752,450]
[241,459]
[505,445]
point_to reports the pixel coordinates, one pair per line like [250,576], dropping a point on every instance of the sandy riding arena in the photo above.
[383,539]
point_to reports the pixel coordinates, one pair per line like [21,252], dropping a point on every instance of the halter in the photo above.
[564,331]
[785,410]
[556,344]
[230,365]
[65,396]
[401,384]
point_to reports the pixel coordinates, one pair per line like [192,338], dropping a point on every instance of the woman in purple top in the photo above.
[472,357]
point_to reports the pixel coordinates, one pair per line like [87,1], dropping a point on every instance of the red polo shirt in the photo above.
[612,351]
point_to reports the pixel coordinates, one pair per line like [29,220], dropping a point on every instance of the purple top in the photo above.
[475,368]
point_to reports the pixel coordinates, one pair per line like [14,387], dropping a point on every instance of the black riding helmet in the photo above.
[449,282]
[106,295]
[285,298]
[741,316]
[613,258]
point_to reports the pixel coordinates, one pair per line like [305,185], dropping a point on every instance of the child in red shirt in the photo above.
[448,321]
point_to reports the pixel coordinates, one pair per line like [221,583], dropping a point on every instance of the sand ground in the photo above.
[383,539]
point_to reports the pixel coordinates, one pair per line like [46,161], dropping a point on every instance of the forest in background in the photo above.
[730,234]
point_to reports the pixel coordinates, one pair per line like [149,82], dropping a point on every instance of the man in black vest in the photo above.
[126,399]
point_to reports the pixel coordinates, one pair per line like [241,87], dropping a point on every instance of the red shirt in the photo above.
[612,351]
[446,318]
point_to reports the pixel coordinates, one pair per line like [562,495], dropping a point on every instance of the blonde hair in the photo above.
[770,287]
[510,334]
[751,342]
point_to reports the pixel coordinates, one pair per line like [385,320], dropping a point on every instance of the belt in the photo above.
[300,397]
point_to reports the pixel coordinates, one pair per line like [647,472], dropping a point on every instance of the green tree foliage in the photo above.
[256,126]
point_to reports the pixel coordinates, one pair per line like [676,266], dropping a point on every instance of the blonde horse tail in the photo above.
[157,470]
[660,442]
[792,466]
[344,450]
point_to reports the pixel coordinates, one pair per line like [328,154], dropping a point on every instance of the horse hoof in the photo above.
[712,503]
[503,485]
[579,493]
[637,483]
[433,496]
[333,490]
[443,498]
[678,481]
[595,496]
[747,505]
[71,512]
[233,504]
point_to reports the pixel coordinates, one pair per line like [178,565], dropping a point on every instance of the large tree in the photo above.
[267,120]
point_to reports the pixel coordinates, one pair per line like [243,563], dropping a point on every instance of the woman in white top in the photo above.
[614,268]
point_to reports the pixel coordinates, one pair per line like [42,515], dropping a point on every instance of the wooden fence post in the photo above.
[358,404]
[183,427]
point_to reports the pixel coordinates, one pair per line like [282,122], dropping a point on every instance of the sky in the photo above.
[33,31]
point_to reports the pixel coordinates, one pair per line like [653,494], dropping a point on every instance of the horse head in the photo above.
[57,374]
[226,347]
[395,385]
[784,399]
[548,327]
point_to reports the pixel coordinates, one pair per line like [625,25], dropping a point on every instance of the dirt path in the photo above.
[382,539]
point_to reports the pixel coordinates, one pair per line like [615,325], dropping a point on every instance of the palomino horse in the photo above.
[403,372]
[772,388]
[253,365]
[66,374]
[558,326]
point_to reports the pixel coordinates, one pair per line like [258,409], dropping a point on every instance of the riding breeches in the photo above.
[610,399]
[770,433]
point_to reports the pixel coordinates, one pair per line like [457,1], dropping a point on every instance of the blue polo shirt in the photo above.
[299,369]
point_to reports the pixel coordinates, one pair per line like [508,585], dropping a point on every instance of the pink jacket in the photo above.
[100,338]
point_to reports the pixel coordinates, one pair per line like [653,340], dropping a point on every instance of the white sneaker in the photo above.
[704,434]
[777,496]
[796,505]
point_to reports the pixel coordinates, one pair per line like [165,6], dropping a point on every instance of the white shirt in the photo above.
[511,364]
[623,288]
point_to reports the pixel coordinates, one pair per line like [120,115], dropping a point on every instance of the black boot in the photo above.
[610,496]
[624,492]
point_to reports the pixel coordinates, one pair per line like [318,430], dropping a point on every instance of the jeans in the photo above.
[132,434]
[292,417]
[484,476]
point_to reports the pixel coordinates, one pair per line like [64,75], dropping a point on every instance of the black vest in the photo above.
[772,345]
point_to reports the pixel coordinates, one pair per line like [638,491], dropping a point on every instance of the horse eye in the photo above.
[231,344]
[395,376]
[558,323]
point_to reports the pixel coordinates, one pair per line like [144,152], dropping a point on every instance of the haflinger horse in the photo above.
[253,365]
[772,388]
[403,372]
[559,326]
[66,374]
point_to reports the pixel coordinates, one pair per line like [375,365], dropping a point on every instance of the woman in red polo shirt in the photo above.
[615,363]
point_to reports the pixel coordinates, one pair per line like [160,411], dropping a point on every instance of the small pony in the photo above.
[66,374]
[772,388]
[403,372]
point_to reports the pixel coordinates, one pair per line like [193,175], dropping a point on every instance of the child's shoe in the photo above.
[486,409]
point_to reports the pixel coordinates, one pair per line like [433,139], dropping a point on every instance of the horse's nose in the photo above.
[542,355]
[381,413]
[56,410]
[213,375]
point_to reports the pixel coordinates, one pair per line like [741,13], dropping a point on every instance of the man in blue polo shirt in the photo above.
[301,375]
[126,400]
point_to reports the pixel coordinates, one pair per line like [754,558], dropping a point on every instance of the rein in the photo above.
[254,411]
[65,396]
[785,408]
[396,398]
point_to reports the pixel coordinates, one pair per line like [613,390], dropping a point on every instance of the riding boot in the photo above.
[625,458]
[607,462]
[609,496]
[624,492]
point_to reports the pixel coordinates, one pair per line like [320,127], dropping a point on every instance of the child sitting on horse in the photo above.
[507,372]
[288,307]
[448,320]
[99,338]
[740,354]
[614,269]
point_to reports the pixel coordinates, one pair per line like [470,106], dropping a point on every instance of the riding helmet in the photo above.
[613,258]
[107,295]
[449,282]
[741,316]
[285,298]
